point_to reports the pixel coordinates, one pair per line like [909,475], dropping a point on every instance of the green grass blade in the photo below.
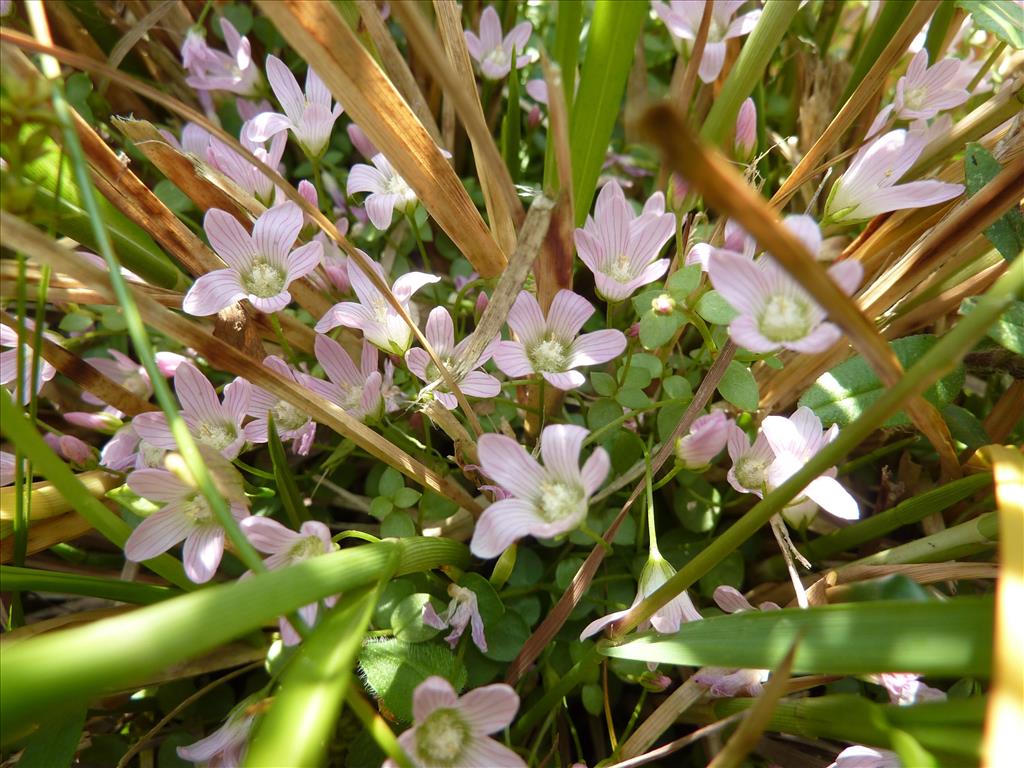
[614,28]
[56,743]
[313,688]
[511,125]
[291,500]
[953,638]
[14,578]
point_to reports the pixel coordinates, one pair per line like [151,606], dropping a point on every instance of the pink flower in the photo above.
[707,436]
[186,515]
[9,362]
[666,620]
[794,441]
[286,547]
[925,91]
[491,52]
[244,173]
[621,248]
[726,683]
[308,115]
[126,450]
[195,140]
[774,310]
[225,747]
[736,241]
[538,91]
[388,191]
[865,757]
[8,462]
[546,501]
[440,332]
[869,188]
[750,463]
[212,423]
[462,612]
[449,729]
[361,141]
[213,70]
[359,391]
[290,422]
[261,266]
[126,372]
[373,315]
[335,262]
[746,130]
[549,346]
[682,18]
[73,449]
[905,689]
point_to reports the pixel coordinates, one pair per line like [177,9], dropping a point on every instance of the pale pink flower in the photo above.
[8,462]
[621,248]
[462,612]
[359,391]
[244,173]
[291,422]
[551,346]
[9,362]
[195,140]
[667,619]
[440,332]
[361,141]
[260,267]
[494,54]
[126,450]
[388,191]
[546,501]
[682,18]
[212,423]
[925,91]
[98,421]
[213,70]
[168,362]
[73,449]
[746,130]
[859,756]
[905,689]
[869,188]
[704,441]
[225,747]
[736,241]
[795,441]
[774,310]
[538,91]
[750,463]
[449,729]
[123,370]
[185,515]
[726,683]
[286,547]
[308,115]
[373,314]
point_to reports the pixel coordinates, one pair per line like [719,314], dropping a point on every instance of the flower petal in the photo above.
[212,292]
[229,239]
[433,693]
[157,485]
[830,495]
[157,534]
[502,524]
[511,359]
[567,314]
[526,320]
[487,753]
[196,394]
[440,331]
[276,230]
[285,87]
[267,535]
[560,448]
[304,260]
[203,551]
[336,362]
[410,282]
[595,470]
[490,708]
[565,380]
[597,347]
[507,463]
[731,600]
[711,62]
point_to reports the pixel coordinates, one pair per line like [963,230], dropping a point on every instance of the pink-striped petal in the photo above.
[285,87]
[267,535]
[157,485]
[595,470]
[229,239]
[346,313]
[336,362]
[565,380]
[365,178]
[490,708]
[511,359]
[432,694]
[711,62]
[507,463]
[202,553]
[526,320]
[410,283]
[304,260]
[488,752]
[740,281]
[597,347]
[731,600]
[212,292]
[440,331]
[276,231]
[480,384]
[568,312]
[490,29]
[266,125]
[560,447]
[501,525]
[157,534]
[152,427]
[196,394]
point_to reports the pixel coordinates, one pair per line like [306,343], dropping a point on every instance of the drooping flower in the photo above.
[309,115]
[126,450]
[359,391]
[243,172]
[746,130]
[774,310]
[225,747]
[440,332]
[706,438]
[286,547]
[682,18]
[726,683]
[260,267]
[211,422]
[795,441]
[905,688]
[123,370]
[9,362]
[859,756]
[462,612]
[494,54]
[186,515]
[749,471]
[290,422]
[213,70]
[547,500]
[73,449]
[373,315]
[451,730]
[388,191]
[361,141]
[869,188]
[621,248]
[666,620]
[551,346]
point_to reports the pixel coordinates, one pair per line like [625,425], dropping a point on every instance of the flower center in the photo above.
[619,269]
[750,472]
[151,455]
[914,98]
[218,435]
[197,510]
[785,318]
[442,737]
[549,356]
[434,373]
[264,280]
[308,546]
[287,417]
[559,501]
[716,31]
[137,384]
[499,58]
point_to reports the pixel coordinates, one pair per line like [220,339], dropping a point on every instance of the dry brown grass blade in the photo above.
[46,533]
[683,95]
[318,33]
[724,189]
[83,374]
[48,502]
[42,248]
[504,209]
[662,718]
[858,101]
[396,66]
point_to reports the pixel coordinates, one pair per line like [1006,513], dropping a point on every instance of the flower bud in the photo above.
[746,130]
[100,421]
[663,304]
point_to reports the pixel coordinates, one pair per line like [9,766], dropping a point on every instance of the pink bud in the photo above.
[663,304]
[481,303]
[168,362]
[75,450]
[533,117]
[308,191]
[99,421]
[634,331]
[361,141]
[746,130]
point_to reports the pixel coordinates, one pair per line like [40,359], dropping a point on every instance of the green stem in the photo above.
[653,534]
[275,322]
[323,201]
[15,578]
[419,240]
[996,52]
[378,729]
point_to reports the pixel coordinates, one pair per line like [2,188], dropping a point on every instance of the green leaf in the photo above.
[171,196]
[657,330]
[602,412]
[21,579]
[393,669]
[1007,232]
[849,389]
[715,309]
[650,363]
[505,641]
[390,482]
[407,619]
[436,507]
[397,525]
[593,699]
[637,377]
[632,397]
[614,28]
[381,507]
[739,387]
[677,387]
[56,742]
[288,490]
[1003,18]
[668,417]
[75,322]
[965,427]
[604,384]
[405,497]
[951,638]
[728,572]
[239,15]
[1008,329]
[683,282]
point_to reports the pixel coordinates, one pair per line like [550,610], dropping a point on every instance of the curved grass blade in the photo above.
[26,579]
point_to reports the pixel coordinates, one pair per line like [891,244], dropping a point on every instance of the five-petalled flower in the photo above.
[683,17]
[491,52]
[213,70]
[462,611]
[359,391]
[291,422]
[388,191]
